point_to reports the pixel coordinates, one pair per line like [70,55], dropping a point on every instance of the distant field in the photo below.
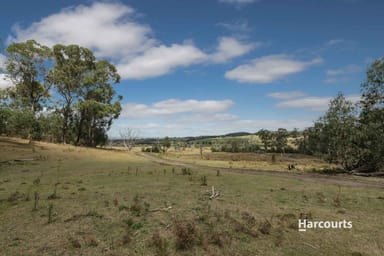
[265,161]
[105,202]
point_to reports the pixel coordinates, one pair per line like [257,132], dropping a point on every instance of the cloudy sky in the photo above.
[200,67]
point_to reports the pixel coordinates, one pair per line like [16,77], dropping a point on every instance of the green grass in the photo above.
[101,208]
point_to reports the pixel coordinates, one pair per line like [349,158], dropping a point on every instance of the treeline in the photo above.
[349,134]
[61,94]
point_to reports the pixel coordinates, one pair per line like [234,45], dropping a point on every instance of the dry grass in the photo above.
[103,208]
[257,161]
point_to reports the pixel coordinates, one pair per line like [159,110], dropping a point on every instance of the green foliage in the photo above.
[27,69]
[372,116]
[85,103]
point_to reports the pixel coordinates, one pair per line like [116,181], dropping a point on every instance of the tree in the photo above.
[266,138]
[339,132]
[281,139]
[372,116]
[27,69]
[96,107]
[166,144]
[88,100]
[69,74]
[129,137]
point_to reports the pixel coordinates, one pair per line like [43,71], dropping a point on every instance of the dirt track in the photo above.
[338,179]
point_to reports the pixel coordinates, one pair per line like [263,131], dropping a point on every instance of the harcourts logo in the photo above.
[309,224]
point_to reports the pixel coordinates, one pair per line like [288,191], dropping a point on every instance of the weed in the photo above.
[54,194]
[93,213]
[123,207]
[186,171]
[204,181]
[50,213]
[36,200]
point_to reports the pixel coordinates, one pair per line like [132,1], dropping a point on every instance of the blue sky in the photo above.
[202,67]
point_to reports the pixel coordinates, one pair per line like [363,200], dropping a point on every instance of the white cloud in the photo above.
[111,31]
[236,27]
[286,95]
[342,75]
[229,48]
[238,1]
[174,106]
[333,42]
[107,28]
[160,60]
[269,68]
[313,103]
[5,82]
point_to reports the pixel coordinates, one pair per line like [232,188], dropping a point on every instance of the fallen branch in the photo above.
[214,193]
[165,209]
[310,245]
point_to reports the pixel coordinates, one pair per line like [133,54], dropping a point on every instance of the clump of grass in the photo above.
[217,172]
[160,244]
[265,227]
[94,213]
[82,189]
[14,197]
[187,234]
[123,207]
[337,199]
[186,171]
[54,194]
[139,207]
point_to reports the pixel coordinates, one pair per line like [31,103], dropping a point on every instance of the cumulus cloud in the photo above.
[313,103]
[269,68]
[5,82]
[230,48]
[160,60]
[286,95]
[107,28]
[112,31]
[174,106]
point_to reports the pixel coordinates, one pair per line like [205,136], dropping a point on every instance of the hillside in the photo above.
[104,202]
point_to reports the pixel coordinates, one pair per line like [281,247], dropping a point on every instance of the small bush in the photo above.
[187,234]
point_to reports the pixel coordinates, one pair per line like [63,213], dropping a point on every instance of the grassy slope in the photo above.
[96,214]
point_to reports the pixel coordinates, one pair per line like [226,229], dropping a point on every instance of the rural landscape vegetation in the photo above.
[69,188]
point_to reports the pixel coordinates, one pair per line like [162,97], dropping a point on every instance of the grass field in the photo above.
[265,161]
[104,202]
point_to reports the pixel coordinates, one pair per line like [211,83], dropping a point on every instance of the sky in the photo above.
[208,67]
